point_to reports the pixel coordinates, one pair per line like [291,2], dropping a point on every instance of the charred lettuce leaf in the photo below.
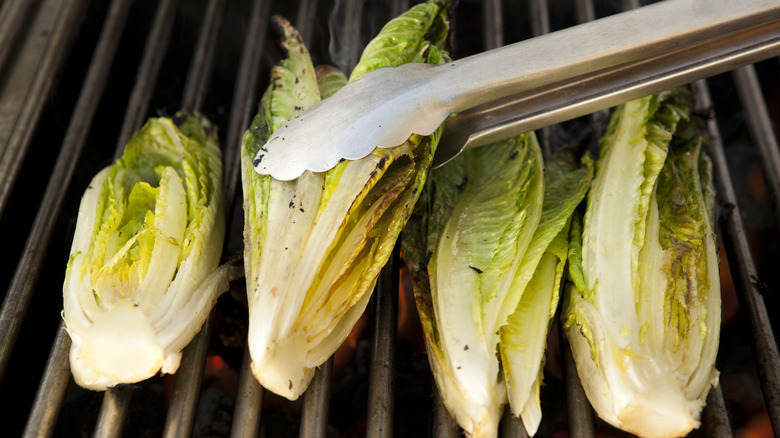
[643,318]
[314,246]
[486,248]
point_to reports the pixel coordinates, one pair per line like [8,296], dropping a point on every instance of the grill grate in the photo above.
[75,75]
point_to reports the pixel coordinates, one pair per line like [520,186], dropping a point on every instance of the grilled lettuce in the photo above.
[143,270]
[314,246]
[642,313]
[486,248]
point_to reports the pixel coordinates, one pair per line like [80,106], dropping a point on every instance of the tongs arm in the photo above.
[564,69]
[753,40]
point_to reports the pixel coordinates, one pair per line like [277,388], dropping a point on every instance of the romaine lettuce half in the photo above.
[486,248]
[142,275]
[643,314]
[314,246]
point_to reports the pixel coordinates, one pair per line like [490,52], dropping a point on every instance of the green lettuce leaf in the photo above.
[314,246]
[644,314]
[483,252]
[524,337]
[143,272]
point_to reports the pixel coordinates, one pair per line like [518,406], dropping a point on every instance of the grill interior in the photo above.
[78,77]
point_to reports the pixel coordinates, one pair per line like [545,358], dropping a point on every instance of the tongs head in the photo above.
[527,85]
[381,109]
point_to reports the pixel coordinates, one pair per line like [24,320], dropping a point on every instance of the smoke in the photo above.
[344,26]
[352,24]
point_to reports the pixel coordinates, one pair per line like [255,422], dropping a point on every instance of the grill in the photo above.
[77,78]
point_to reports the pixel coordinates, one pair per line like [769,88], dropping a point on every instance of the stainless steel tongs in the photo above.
[527,85]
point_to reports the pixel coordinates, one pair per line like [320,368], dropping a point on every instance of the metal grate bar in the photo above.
[57,373]
[540,17]
[154,53]
[18,144]
[581,417]
[249,401]
[398,7]
[444,426]
[51,391]
[242,109]
[22,285]
[347,37]
[13,15]
[113,412]
[585,11]
[511,426]
[200,69]
[630,4]
[306,14]
[540,25]
[582,420]
[493,24]
[381,396]
[189,377]
[715,418]
[187,384]
[740,257]
[316,403]
[760,124]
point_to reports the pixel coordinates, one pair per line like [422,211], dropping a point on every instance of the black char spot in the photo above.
[462,184]
[179,119]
